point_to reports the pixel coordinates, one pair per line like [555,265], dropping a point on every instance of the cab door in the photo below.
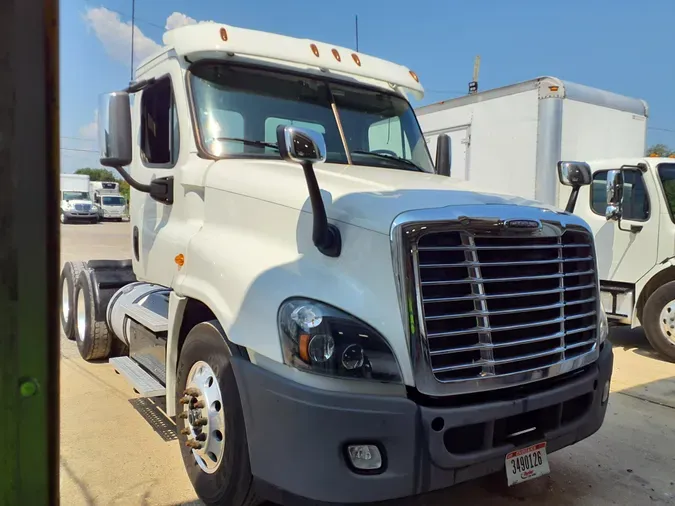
[626,249]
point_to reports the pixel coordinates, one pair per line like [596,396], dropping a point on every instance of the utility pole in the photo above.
[133,28]
[473,85]
[356,19]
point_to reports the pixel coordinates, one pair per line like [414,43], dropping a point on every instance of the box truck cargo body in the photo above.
[510,139]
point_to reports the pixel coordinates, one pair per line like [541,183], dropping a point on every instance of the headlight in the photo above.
[319,338]
[603,326]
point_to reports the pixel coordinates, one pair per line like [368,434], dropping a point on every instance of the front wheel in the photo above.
[212,433]
[658,319]
[63,218]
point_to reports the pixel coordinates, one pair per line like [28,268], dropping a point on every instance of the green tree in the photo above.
[97,174]
[124,189]
[660,150]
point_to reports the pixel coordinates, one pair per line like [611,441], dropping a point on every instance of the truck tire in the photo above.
[658,319]
[220,469]
[94,340]
[69,276]
[64,220]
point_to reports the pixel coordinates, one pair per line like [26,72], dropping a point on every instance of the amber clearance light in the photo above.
[336,54]
[223,34]
[356,59]
[315,50]
[414,76]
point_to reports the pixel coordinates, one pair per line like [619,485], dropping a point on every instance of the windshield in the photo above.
[667,177]
[239,108]
[67,196]
[113,201]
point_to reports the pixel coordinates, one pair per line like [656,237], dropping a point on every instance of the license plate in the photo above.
[526,464]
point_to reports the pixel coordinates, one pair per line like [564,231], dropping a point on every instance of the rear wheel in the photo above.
[211,422]
[658,319]
[69,276]
[94,340]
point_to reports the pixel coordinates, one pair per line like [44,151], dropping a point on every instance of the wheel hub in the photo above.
[204,418]
[667,321]
[65,301]
[81,316]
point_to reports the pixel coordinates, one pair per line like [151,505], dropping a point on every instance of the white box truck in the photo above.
[110,203]
[75,202]
[511,139]
[326,316]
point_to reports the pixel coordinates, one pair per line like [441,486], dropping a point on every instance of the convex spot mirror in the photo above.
[114,129]
[443,155]
[574,173]
[614,194]
[301,145]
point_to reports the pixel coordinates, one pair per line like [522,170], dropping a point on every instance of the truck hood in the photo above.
[367,197]
[73,202]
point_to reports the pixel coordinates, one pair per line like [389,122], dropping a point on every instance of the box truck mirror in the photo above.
[306,147]
[443,155]
[614,194]
[576,175]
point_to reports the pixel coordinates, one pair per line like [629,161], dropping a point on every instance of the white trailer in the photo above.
[75,202]
[510,140]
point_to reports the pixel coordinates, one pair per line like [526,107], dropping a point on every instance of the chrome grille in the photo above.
[496,305]
[83,208]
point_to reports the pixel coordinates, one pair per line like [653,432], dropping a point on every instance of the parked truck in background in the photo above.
[328,316]
[75,202]
[529,127]
[110,203]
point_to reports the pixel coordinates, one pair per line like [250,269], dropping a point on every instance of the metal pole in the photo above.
[133,29]
[357,32]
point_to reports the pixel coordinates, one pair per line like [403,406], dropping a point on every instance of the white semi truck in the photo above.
[75,202]
[511,139]
[110,203]
[327,315]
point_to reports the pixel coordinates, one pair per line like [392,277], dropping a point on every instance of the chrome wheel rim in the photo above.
[204,417]
[667,321]
[63,218]
[65,301]
[81,316]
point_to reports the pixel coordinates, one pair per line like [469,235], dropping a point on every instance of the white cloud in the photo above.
[115,35]
[178,19]
[90,130]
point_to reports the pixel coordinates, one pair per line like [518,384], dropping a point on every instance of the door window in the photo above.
[635,198]
[667,177]
[159,125]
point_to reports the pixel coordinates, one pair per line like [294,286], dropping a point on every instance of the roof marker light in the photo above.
[414,76]
[315,50]
[223,34]
[356,59]
[336,54]
[554,88]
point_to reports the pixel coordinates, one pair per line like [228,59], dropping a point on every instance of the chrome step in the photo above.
[144,383]
[149,319]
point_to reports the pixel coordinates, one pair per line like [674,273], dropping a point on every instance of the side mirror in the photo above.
[301,145]
[614,194]
[114,129]
[306,147]
[576,175]
[443,155]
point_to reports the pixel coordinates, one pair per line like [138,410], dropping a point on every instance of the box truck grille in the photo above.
[501,305]
[82,208]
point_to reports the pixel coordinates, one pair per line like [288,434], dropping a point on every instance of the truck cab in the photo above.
[109,203]
[630,207]
[76,205]
[328,315]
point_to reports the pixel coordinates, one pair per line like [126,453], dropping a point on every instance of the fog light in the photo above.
[605,392]
[365,457]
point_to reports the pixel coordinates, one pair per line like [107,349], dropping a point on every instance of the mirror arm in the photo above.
[634,229]
[572,201]
[145,188]
[326,236]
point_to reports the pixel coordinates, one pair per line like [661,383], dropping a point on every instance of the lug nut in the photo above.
[200,437]
[194,392]
[185,400]
[185,432]
[182,415]
[200,422]
[190,443]
[198,405]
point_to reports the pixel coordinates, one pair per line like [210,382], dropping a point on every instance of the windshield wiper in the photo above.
[248,142]
[389,156]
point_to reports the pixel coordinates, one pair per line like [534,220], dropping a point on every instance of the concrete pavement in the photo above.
[117,449]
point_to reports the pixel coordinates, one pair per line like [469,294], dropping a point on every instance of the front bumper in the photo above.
[77,215]
[297,434]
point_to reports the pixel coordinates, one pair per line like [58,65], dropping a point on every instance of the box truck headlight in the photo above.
[603,326]
[319,338]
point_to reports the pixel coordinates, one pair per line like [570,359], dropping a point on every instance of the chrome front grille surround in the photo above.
[496,296]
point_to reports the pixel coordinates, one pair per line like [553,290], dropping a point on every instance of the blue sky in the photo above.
[614,45]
